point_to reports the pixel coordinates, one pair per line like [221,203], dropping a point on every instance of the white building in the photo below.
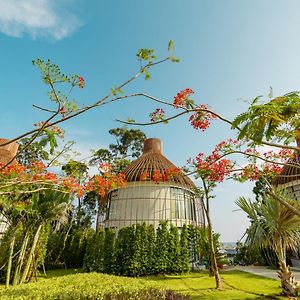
[143,199]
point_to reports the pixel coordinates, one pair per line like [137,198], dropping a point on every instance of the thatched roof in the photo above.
[290,172]
[153,160]
[7,152]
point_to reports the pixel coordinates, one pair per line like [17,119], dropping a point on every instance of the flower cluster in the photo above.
[81,82]
[212,167]
[201,118]
[182,98]
[157,115]
[101,184]
[17,178]
[62,112]
[160,176]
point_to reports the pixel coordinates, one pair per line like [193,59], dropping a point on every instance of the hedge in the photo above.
[90,286]
[138,250]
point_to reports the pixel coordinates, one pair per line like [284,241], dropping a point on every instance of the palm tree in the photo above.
[276,227]
[46,207]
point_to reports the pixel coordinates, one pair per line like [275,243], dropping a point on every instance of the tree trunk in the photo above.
[11,252]
[213,259]
[64,243]
[30,257]
[214,265]
[20,260]
[288,283]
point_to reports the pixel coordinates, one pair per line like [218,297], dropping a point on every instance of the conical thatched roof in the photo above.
[153,160]
[290,172]
[7,152]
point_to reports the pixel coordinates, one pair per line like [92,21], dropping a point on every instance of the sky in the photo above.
[231,51]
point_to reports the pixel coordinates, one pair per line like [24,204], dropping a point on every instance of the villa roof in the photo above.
[290,172]
[152,161]
[7,152]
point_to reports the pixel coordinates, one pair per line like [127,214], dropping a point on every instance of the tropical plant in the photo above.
[274,226]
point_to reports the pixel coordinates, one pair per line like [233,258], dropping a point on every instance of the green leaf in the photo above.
[130,120]
[120,91]
[170,45]
[174,59]
[270,95]
[114,92]
[147,75]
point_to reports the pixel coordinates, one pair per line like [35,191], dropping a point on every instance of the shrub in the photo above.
[90,286]
[184,249]
[94,255]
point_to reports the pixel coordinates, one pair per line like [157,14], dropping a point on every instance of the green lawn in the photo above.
[238,285]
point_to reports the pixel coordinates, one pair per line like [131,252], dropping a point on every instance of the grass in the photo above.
[238,285]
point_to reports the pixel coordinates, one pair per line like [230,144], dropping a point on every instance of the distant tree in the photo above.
[128,145]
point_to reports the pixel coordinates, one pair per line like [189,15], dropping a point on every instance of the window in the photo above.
[111,205]
[184,204]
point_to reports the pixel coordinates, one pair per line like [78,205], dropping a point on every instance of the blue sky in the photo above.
[231,51]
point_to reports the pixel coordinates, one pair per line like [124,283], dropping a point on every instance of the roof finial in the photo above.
[153,145]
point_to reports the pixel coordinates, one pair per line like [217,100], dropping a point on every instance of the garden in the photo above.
[49,202]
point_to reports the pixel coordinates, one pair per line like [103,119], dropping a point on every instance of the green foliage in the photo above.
[39,253]
[88,286]
[138,251]
[273,225]
[124,252]
[194,245]
[129,144]
[145,54]
[174,259]
[75,168]
[161,248]
[34,152]
[108,256]
[94,255]
[246,255]
[50,72]
[276,119]
[75,249]
[184,249]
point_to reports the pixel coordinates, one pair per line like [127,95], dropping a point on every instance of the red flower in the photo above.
[80,82]
[182,98]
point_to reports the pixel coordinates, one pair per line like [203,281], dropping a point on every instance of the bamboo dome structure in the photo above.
[145,200]
[7,153]
[289,179]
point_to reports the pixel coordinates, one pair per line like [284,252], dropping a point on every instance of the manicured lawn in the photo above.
[238,284]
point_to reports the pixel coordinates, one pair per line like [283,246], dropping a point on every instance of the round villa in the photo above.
[156,190]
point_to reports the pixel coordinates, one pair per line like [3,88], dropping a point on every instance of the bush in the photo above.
[91,286]
[137,251]
[67,248]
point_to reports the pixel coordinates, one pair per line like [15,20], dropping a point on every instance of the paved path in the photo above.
[264,271]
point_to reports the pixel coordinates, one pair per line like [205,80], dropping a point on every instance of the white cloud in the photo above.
[38,18]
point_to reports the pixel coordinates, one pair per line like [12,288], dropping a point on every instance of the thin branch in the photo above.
[43,109]
[33,191]
[65,149]
[79,112]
